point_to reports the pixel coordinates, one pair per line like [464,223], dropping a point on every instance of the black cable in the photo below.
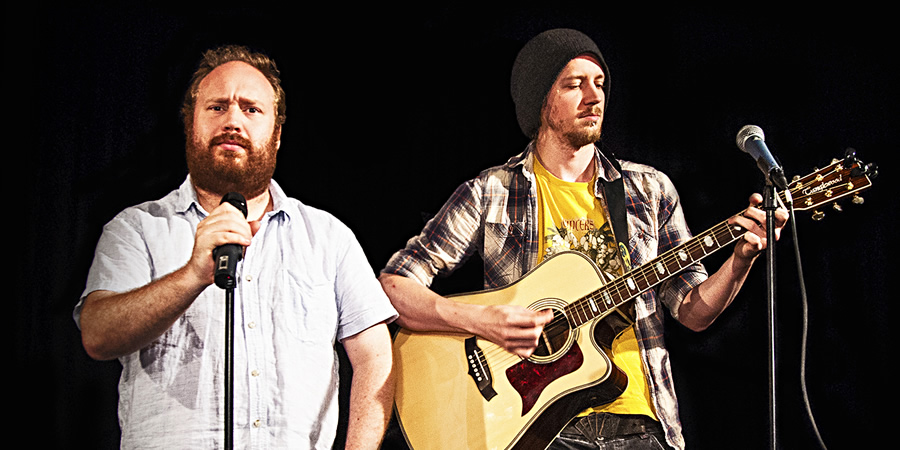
[804,334]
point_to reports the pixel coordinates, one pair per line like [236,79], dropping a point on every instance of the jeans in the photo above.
[577,436]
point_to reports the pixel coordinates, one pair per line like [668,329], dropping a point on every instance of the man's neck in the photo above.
[256,206]
[564,161]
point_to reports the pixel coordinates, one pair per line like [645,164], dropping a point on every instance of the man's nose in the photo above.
[593,94]
[233,119]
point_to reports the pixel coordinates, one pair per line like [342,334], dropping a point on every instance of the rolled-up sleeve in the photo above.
[447,240]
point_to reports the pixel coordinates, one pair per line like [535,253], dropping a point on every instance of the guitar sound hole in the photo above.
[555,338]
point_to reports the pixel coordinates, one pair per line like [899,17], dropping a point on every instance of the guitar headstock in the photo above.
[841,178]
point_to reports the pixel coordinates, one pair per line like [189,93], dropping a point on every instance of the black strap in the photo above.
[615,201]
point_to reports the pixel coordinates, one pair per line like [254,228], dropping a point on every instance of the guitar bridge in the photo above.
[478,369]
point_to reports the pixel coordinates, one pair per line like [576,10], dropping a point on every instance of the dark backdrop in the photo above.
[389,110]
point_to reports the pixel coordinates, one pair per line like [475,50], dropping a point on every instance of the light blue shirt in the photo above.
[304,283]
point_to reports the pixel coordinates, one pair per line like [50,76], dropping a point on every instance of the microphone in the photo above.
[227,256]
[751,140]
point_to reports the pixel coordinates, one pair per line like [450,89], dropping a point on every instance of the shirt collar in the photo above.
[525,160]
[604,167]
[186,199]
[606,170]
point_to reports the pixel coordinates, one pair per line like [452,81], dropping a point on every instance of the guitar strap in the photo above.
[614,191]
[615,200]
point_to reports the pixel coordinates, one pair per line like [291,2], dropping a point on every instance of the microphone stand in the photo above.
[770,204]
[751,140]
[229,367]
[226,258]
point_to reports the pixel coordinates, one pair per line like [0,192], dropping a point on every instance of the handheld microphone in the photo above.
[751,140]
[227,256]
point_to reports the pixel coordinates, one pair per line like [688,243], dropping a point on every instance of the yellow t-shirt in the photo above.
[573,218]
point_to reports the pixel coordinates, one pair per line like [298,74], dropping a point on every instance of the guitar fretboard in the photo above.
[654,272]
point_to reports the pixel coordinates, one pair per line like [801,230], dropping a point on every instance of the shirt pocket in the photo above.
[503,238]
[308,311]
[642,242]
[504,249]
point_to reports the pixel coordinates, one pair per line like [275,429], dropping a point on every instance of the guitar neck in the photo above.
[640,279]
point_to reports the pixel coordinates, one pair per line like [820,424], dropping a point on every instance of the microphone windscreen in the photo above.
[237,200]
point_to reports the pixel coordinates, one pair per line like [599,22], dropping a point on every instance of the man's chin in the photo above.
[585,137]
[230,157]
[231,173]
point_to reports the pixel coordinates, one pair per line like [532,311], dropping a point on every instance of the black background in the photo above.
[389,110]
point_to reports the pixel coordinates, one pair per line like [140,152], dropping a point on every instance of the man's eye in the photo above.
[215,108]
[253,110]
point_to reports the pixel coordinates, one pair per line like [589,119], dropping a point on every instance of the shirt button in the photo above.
[255,373]
[248,278]
[256,423]
[251,325]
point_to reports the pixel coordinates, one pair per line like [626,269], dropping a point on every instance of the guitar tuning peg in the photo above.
[837,207]
[850,153]
[796,177]
[857,200]
[872,170]
[818,215]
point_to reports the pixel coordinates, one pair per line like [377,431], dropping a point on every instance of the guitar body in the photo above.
[442,398]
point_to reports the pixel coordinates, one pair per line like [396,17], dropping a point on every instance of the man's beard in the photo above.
[578,136]
[222,175]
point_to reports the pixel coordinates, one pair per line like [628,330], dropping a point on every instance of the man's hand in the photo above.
[225,225]
[753,220]
[514,328]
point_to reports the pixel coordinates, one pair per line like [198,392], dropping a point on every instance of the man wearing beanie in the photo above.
[563,193]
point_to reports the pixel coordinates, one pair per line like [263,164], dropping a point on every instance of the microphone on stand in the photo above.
[227,256]
[751,140]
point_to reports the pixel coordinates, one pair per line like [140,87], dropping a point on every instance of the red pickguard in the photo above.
[530,379]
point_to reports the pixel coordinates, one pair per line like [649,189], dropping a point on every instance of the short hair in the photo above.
[216,57]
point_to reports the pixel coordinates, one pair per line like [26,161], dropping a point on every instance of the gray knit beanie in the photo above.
[538,65]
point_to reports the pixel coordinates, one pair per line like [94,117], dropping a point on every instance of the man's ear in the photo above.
[277,137]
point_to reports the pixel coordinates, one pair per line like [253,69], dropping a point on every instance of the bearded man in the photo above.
[305,284]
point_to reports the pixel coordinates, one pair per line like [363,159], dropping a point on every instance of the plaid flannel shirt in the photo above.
[496,214]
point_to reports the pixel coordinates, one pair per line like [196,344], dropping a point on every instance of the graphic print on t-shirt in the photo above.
[580,235]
